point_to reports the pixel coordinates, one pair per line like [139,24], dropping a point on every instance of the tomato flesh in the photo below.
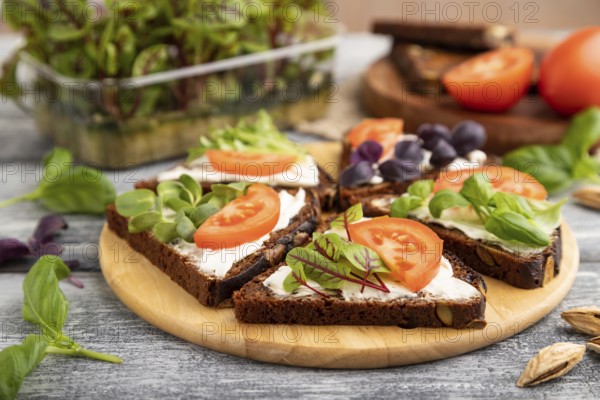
[503,179]
[493,81]
[245,219]
[570,73]
[249,164]
[409,249]
[384,131]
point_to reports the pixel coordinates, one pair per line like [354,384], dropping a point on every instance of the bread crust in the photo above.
[255,303]
[525,271]
[207,289]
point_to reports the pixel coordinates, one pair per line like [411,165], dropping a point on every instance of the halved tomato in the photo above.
[384,131]
[504,179]
[410,250]
[493,81]
[250,164]
[244,220]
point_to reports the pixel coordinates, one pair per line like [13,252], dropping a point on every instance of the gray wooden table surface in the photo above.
[158,365]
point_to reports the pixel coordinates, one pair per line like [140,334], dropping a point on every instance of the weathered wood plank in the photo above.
[158,365]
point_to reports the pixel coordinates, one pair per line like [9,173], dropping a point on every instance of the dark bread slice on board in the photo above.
[255,303]
[211,290]
[523,270]
[326,191]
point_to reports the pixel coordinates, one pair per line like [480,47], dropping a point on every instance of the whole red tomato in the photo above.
[570,73]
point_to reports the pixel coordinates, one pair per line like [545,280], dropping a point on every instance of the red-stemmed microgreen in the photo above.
[348,217]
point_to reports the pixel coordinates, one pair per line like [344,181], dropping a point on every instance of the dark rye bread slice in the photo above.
[523,270]
[257,304]
[208,289]
[326,190]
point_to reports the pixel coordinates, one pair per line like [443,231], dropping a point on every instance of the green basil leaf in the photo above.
[17,362]
[44,304]
[445,199]
[421,189]
[166,232]
[514,227]
[56,163]
[186,229]
[512,202]
[551,165]
[545,214]
[583,132]
[144,222]
[586,168]
[203,212]
[84,191]
[478,191]
[135,202]
[364,259]
[402,206]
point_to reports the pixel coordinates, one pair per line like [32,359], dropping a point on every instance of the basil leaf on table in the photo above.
[445,199]
[68,189]
[583,132]
[44,304]
[551,165]
[512,226]
[17,361]
[558,167]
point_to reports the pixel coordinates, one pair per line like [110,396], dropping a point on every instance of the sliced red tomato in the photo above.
[384,131]
[504,179]
[409,249]
[245,219]
[249,164]
[493,81]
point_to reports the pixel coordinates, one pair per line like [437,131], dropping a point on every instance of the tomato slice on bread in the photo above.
[384,131]
[250,164]
[493,81]
[504,179]
[245,219]
[409,249]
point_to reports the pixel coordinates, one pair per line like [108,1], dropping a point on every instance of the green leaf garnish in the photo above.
[67,189]
[46,306]
[444,200]
[254,136]
[558,167]
[178,210]
[506,215]
[350,216]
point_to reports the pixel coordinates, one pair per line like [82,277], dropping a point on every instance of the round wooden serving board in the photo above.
[531,121]
[152,295]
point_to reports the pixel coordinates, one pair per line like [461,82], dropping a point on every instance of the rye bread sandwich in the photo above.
[379,161]
[496,219]
[211,244]
[253,151]
[382,271]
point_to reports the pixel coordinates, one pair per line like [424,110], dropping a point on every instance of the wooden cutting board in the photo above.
[531,121]
[152,295]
